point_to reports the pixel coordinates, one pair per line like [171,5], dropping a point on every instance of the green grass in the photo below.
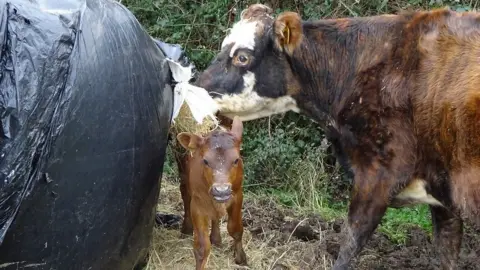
[396,222]
[284,154]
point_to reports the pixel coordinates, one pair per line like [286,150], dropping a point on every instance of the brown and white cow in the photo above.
[399,94]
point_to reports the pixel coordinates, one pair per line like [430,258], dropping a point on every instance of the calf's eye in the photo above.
[205,162]
[236,161]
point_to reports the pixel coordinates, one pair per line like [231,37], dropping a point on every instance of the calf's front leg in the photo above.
[201,240]
[235,228]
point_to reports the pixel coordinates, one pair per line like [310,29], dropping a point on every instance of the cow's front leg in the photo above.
[367,207]
[448,232]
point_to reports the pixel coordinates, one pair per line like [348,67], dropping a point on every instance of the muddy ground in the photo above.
[278,238]
[323,239]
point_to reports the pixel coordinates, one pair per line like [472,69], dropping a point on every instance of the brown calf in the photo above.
[214,188]
[398,95]
[181,157]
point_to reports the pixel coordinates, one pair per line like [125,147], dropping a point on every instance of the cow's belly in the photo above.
[414,193]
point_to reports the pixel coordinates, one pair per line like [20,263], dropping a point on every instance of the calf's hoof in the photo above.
[240,257]
[216,240]
[186,233]
[187,230]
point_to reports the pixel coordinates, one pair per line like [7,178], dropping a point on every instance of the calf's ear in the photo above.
[237,128]
[288,31]
[189,141]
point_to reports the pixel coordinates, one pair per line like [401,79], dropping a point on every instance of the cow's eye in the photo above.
[236,161]
[241,59]
[205,162]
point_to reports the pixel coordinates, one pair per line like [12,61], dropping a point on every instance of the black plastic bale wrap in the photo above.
[85,107]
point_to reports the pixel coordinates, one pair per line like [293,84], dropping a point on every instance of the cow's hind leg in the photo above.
[448,232]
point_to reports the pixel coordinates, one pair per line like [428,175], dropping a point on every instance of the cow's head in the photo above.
[251,77]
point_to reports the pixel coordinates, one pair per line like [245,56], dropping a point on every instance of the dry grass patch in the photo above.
[270,239]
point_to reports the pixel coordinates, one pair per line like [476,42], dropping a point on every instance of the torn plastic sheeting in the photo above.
[85,108]
[175,53]
[60,7]
[198,100]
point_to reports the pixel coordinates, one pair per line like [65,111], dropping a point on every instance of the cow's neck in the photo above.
[333,54]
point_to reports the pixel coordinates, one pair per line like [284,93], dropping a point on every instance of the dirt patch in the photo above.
[278,238]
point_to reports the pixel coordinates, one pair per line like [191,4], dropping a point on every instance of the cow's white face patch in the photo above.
[242,35]
[248,105]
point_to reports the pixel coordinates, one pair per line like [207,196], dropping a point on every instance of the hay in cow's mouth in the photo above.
[194,109]
[185,122]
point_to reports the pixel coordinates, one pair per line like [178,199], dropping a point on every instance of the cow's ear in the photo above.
[288,31]
[189,141]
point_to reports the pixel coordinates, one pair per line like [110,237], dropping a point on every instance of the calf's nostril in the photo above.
[221,190]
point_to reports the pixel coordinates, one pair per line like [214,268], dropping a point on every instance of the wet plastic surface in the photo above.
[85,108]
[176,53]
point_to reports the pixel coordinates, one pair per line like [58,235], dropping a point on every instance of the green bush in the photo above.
[273,145]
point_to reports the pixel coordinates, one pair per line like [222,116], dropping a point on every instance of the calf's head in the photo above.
[251,76]
[217,158]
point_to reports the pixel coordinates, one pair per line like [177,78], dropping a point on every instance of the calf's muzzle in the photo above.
[221,192]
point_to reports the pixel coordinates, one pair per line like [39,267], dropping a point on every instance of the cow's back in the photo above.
[448,89]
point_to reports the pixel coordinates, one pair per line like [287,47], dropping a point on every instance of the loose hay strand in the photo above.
[185,122]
